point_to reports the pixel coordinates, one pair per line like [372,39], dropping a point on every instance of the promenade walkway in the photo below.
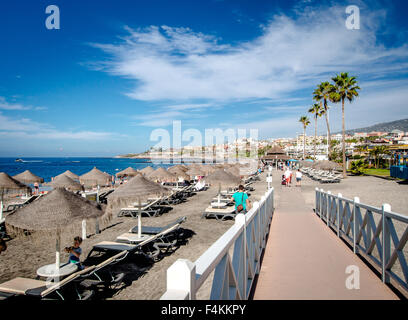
[305,260]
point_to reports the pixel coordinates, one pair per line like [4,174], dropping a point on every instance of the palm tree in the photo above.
[345,87]
[322,95]
[317,111]
[305,120]
[378,153]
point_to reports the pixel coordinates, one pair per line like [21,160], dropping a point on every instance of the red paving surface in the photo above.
[305,260]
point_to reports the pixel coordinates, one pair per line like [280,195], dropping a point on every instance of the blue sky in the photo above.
[117,70]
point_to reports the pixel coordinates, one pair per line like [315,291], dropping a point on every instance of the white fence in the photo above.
[234,273]
[378,233]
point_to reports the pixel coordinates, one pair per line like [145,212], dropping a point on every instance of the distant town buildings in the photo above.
[292,147]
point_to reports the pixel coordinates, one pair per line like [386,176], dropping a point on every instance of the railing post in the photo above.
[321,203]
[181,276]
[317,201]
[338,213]
[386,243]
[240,219]
[328,208]
[356,200]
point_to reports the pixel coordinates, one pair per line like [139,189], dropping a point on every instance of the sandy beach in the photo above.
[144,281]
[148,281]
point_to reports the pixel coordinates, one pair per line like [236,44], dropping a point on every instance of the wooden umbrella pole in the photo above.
[219,193]
[139,220]
[57,253]
[1,206]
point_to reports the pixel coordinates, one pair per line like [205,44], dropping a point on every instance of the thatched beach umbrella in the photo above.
[28,177]
[327,165]
[207,169]
[162,175]
[146,171]
[222,178]
[128,172]
[177,167]
[56,211]
[194,172]
[10,185]
[305,163]
[63,181]
[180,174]
[94,178]
[136,189]
[69,174]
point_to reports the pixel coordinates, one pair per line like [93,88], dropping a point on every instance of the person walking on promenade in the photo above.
[287,176]
[298,178]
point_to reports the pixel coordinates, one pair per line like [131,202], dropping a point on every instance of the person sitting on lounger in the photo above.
[75,252]
[241,200]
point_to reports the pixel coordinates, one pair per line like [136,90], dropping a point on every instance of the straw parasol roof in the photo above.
[95,177]
[63,181]
[236,171]
[69,174]
[146,170]
[9,183]
[223,178]
[327,165]
[305,163]
[177,168]
[54,211]
[128,172]
[161,174]
[136,188]
[207,169]
[180,174]
[28,177]
[192,172]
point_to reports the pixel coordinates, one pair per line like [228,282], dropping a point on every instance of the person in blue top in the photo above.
[241,198]
[75,252]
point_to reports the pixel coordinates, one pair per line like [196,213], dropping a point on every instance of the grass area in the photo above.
[378,172]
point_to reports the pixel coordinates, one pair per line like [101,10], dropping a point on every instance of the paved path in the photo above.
[305,260]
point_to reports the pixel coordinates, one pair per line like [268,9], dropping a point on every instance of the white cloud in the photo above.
[26,128]
[291,54]
[4,105]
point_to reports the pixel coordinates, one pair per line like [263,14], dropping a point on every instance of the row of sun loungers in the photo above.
[155,206]
[80,284]
[322,176]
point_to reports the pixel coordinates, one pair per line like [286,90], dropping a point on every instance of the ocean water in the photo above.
[51,167]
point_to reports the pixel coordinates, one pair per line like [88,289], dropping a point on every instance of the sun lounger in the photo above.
[14,206]
[150,209]
[97,276]
[41,289]
[219,214]
[166,239]
[156,230]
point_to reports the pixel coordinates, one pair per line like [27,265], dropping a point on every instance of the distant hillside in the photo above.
[383,127]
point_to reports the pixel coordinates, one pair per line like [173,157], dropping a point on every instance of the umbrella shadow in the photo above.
[135,267]
[102,230]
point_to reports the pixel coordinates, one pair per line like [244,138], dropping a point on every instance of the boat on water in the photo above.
[19,160]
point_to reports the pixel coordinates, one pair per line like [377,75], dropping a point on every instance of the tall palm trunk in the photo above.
[314,155]
[304,142]
[343,140]
[328,128]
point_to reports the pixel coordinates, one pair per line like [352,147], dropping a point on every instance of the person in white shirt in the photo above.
[298,178]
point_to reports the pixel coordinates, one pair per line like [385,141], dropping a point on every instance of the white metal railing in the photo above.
[234,273]
[370,230]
